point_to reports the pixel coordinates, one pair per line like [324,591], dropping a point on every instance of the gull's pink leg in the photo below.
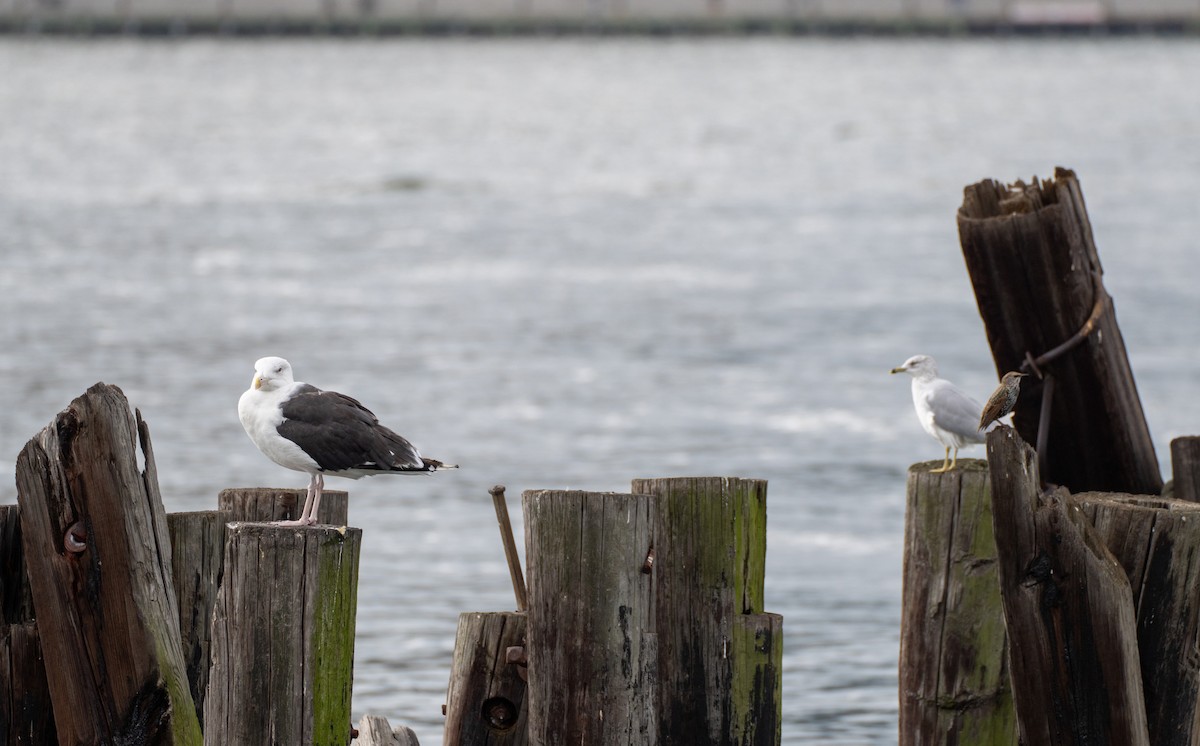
[313,496]
[311,518]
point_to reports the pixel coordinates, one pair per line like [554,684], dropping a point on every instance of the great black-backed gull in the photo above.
[301,427]
[945,411]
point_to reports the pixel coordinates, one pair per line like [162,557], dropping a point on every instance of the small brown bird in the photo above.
[1003,399]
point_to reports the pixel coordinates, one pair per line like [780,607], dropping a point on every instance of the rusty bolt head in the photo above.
[75,540]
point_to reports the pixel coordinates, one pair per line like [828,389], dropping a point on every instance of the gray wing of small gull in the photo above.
[339,433]
[953,410]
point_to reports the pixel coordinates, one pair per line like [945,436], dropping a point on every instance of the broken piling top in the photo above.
[1038,282]
[99,562]
[1068,610]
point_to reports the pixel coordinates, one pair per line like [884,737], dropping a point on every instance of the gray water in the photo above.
[567,264]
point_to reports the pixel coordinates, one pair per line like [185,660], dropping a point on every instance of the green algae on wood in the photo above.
[710,548]
[283,636]
[333,634]
[954,680]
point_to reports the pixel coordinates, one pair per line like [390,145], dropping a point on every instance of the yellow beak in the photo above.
[257,382]
[897,370]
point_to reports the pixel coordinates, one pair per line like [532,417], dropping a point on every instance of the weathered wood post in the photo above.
[1038,282]
[16,600]
[283,637]
[99,558]
[1069,612]
[264,504]
[1157,542]
[485,702]
[954,682]
[376,731]
[197,559]
[591,643]
[26,710]
[1185,468]
[719,653]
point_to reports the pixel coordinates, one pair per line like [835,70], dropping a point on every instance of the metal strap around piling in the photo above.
[1035,365]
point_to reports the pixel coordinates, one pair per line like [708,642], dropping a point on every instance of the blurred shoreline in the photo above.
[599,17]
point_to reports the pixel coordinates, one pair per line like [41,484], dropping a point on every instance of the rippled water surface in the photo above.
[570,263]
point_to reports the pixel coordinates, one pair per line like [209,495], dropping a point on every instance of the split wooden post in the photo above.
[485,702]
[1068,609]
[1037,278]
[591,643]
[1185,467]
[197,559]
[954,680]
[1157,542]
[99,563]
[283,636]
[720,654]
[265,504]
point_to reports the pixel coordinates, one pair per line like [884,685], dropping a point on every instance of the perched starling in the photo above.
[1003,399]
[945,411]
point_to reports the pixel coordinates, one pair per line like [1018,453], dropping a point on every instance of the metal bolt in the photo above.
[75,540]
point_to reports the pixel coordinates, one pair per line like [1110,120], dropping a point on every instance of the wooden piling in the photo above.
[485,702]
[198,542]
[719,671]
[1157,542]
[954,679]
[1038,282]
[98,557]
[1069,612]
[1185,468]
[26,710]
[591,643]
[756,694]
[197,560]
[16,600]
[265,504]
[283,637]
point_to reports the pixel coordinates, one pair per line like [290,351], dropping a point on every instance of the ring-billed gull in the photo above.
[944,410]
[1003,399]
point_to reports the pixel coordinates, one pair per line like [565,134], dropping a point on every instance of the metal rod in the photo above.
[1043,431]
[510,547]
[1098,308]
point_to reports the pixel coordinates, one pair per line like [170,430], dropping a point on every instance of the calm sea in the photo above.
[567,264]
